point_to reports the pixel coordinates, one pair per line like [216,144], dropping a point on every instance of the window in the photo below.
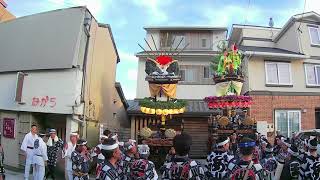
[207,73]
[188,74]
[287,121]
[314,35]
[278,73]
[177,41]
[312,74]
[203,43]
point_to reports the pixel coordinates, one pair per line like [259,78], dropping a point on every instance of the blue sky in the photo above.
[127,18]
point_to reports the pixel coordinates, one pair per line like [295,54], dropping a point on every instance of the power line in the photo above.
[247,12]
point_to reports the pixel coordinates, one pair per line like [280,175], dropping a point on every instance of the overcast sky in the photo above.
[127,18]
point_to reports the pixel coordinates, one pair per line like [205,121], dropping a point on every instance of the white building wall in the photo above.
[51,91]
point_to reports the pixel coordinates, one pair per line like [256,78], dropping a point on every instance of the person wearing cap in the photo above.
[68,149]
[142,168]
[244,167]
[269,162]
[54,144]
[218,160]
[127,158]
[96,154]
[181,166]
[310,169]
[27,148]
[40,157]
[291,168]
[80,161]
[110,150]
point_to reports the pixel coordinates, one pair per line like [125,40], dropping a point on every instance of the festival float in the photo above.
[232,107]
[162,75]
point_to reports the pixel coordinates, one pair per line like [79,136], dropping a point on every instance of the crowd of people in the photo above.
[233,157]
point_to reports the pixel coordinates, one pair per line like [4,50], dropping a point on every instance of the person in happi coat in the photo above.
[142,168]
[244,167]
[291,168]
[181,166]
[269,163]
[40,157]
[127,158]
[110,150]
[310,168]
[54,144]
[68,149]
[218,160]
[80,161]
[27,148]
[96,154]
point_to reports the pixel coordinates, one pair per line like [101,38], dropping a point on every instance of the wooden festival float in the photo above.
[162,74]
[232,107]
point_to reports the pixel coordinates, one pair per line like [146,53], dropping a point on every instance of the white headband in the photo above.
[103,136]
[110,147]
[73,134]
[223,142]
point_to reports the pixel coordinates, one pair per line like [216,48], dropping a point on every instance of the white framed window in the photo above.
[287,121]
[314,33]
[278,73]
[312,73]
[207,72]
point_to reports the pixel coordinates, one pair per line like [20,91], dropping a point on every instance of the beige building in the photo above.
[283,72]
[196,83]
[5,15]
[61,76]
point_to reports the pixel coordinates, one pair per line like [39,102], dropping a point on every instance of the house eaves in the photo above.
[271,52]
[184,53]
[194,28]
[121,95]
[292,20]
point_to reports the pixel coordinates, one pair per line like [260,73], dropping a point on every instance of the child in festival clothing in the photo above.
[269,163]
[143,169]
[244,167]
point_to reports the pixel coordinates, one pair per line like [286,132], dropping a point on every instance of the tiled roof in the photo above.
[194,108]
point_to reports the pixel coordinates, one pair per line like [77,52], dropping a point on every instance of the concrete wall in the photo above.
[5,14]
[257,77]
[100,81]
[289,40]
[267,33]
[60,89]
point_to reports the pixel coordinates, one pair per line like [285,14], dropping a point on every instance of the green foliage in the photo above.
[147,102]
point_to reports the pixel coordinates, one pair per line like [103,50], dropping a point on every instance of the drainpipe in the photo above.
[87,27]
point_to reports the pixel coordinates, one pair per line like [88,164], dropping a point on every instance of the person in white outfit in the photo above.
[27,148]
[68,149]
[40,157]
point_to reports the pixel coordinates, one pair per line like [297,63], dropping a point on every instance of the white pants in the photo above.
[39,172]
[69,174]
[27,170]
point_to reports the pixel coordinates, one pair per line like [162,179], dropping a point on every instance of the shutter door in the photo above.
[197,128]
